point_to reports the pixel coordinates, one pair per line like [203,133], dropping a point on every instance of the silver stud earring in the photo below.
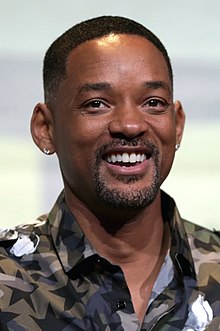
[46,151]
[177,146]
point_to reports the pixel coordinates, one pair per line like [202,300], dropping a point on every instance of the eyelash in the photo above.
[157,105]
[88,107]
[89,104]
[155,100]
[153,105]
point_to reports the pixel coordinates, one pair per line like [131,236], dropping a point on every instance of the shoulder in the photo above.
[23,238]
[205,249]
[202,238]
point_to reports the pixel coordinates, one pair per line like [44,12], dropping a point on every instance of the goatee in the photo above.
[133,199]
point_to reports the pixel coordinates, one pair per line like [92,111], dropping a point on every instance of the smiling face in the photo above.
[114,124]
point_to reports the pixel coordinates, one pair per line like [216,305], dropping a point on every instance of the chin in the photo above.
[132,197]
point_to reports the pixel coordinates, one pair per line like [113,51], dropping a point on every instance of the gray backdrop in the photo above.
[29,181]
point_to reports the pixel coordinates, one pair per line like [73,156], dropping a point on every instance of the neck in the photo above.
[133,235]
[138,244]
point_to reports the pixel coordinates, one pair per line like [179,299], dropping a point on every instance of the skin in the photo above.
[117,89]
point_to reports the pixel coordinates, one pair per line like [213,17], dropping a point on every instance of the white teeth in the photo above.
[126,158]
[119,157]
[114,158]
[133,158]
[143,157]
[138,157]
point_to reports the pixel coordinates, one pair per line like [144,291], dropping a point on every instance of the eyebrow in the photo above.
[103,86]
[154,85]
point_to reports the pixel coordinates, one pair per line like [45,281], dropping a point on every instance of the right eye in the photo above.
[94,106]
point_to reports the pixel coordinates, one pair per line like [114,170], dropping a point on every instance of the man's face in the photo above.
[114,122]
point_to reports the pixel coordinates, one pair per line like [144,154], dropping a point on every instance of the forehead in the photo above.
[118,55]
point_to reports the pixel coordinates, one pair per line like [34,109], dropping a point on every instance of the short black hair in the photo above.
[54,69]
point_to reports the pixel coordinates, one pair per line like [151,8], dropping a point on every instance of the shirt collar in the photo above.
[70,243]
[73,248]
[180,251]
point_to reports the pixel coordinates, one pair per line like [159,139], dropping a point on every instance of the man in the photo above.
[113,254]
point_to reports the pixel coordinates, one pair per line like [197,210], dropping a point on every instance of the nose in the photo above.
[128,121]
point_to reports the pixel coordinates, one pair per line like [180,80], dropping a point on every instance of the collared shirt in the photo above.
[51,278]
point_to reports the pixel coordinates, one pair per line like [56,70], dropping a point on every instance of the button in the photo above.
[121,304]
[98,265]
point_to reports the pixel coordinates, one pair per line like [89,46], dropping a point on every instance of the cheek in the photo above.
[165,131]
[77,141]
[166,135]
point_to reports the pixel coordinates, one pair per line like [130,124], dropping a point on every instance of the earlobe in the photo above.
[180,122]
[42,128]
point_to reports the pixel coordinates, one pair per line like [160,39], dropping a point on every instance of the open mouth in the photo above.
[126,159]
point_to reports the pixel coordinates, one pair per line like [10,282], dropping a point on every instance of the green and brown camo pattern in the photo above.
[65,285]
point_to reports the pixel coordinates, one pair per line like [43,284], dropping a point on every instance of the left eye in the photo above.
[95,104]
[156,105]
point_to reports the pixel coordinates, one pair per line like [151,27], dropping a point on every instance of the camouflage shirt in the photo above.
[51,278]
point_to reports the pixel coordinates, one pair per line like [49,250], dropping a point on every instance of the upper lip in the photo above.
[129,150]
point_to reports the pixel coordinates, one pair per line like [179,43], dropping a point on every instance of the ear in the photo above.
[179,120]
[42,128]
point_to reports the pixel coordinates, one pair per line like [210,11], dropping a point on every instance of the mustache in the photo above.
[136,142]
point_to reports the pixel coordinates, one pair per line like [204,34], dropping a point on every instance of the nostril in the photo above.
[127,135]
[119,135]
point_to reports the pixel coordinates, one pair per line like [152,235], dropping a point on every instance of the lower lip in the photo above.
[136,169]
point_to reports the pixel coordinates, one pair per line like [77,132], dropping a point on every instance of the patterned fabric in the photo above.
[51,278]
